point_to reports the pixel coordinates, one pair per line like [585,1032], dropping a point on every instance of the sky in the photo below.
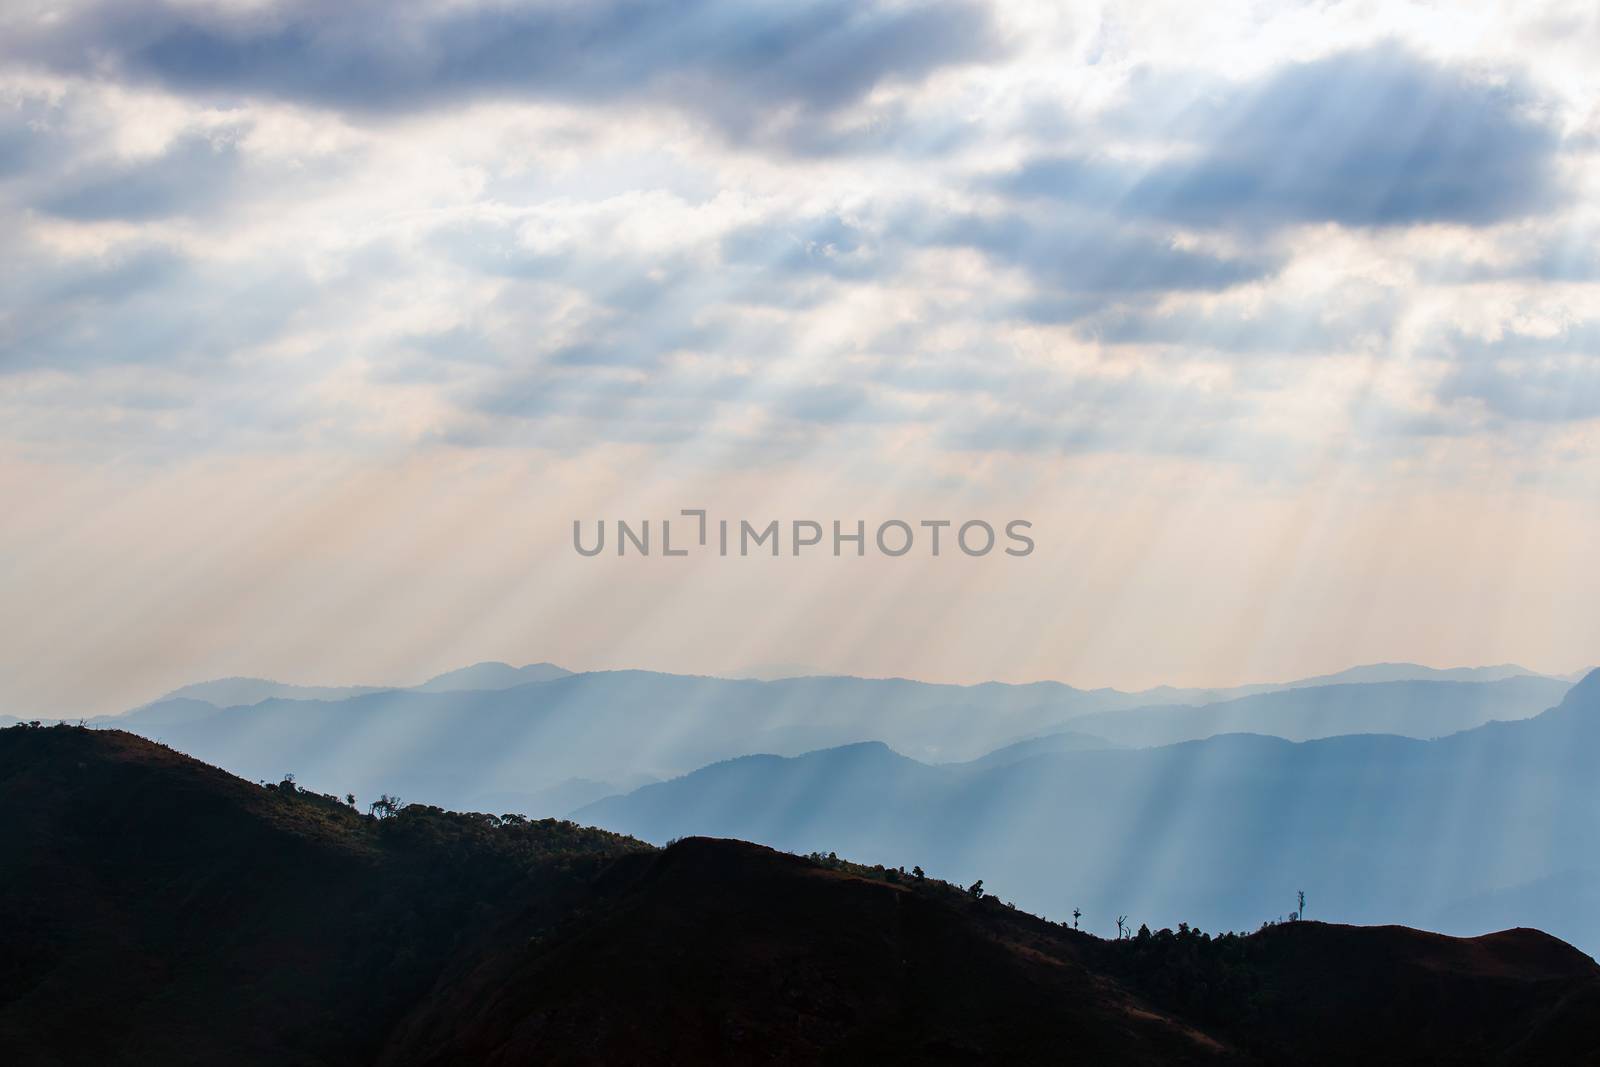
[321,324]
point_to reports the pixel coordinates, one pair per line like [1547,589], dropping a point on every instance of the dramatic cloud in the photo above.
[1373,138]
[479,223]
[1074,258]
[316,311]
[734,63]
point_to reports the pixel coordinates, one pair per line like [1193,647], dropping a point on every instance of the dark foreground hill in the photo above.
[157,910]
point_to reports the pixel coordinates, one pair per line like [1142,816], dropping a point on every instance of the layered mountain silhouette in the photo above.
[200,699]
[1410,708]
[1220,832]
[1066,741]
[162,911]
[538,746]
[1416,672]
[491,675]
[233,692]
[482,737]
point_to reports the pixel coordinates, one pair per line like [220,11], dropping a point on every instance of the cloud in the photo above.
[738,65]
[1345,317]
[1379,137]
[1561,390]
[1080,264]
[98,153]
[835,403]
[147,304]
[22,143]
[571,277]
[828,245]
[195,172]
[1564,249]
[1548,378]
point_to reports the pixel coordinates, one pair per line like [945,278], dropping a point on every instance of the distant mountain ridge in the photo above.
[231,692]
[491,675]
[234,692]
[188,702]
[1360,674]
[1409,708]
[1416,672]
[1066,741]
[538,745]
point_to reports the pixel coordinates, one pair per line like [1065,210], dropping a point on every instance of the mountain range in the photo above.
[539,740]
[1407,707]
[1490,826]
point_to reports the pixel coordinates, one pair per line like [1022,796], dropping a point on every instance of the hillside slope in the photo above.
[197,918]
[163,911]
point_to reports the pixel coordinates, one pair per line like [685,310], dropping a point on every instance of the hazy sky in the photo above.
[320,323]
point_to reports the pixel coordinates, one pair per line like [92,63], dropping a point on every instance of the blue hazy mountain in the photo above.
[1067,741]
[1416,672]
[1359,675]
[1221,832]
[1410,708]
[172,711]
[200,700]
[227,692]
[478,748]
[491,675]
[232,692]
[1566,903]
[464,746]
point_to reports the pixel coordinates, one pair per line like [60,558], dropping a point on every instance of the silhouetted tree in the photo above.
[287,785]
[384,806]
[916,872]
[350,799]
[1077,913]
[975,890]
[1300,896]
[1122,923]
